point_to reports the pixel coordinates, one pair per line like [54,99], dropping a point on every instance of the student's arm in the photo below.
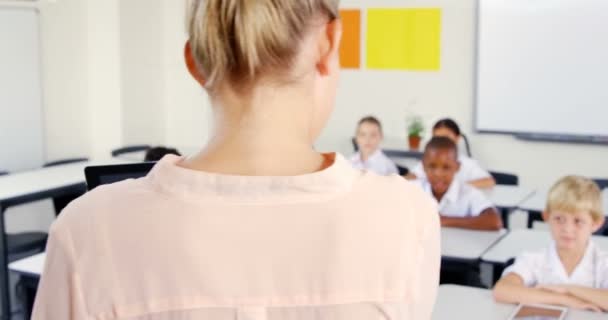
[598,297]
[477,176]
[489,219]
[511,289]
[411,176]
[416,173]
[483,183]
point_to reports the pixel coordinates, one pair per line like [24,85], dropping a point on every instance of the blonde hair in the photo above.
[238,40]
[576,194]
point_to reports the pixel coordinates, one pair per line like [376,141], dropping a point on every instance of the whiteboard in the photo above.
[21,120]
[543,67]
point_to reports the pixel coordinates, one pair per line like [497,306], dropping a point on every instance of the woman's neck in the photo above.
[267,133]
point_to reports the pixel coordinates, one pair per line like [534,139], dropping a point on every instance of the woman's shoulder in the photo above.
[108,199]
[394,193]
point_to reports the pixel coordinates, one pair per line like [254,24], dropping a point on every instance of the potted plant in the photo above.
[415,128]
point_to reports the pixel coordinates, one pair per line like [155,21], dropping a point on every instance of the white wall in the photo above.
[104,99]
[64,64]
[187,107]
[141,44]
[81,77]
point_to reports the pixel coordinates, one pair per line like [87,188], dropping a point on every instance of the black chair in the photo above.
[403,171]
[498,270]
[534,216]
[602,183]
[62,201]
[18,243]
[129,149]
[505,179]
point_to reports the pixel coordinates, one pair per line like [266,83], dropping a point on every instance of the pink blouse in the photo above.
[339,244]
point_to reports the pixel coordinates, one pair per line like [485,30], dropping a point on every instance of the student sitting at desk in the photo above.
[370,156]
[460,204]
[470,171]
[572,272]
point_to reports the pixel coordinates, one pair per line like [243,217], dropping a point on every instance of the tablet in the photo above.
[538,312]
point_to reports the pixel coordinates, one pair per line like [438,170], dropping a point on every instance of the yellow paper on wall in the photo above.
[404,39]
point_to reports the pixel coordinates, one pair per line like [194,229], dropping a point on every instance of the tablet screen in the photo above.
[537,313]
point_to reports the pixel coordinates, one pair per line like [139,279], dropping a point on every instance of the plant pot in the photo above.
[414,142]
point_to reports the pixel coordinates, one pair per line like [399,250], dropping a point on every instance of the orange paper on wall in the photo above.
[350,49]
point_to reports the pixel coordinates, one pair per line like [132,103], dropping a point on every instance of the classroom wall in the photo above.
[81,77]
[141,46]
[187,106]
[64,69]
[185,109]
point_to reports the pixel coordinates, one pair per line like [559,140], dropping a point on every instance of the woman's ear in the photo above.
[330,47]
[192,66]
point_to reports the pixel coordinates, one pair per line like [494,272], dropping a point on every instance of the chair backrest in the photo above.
[403,171]
[602,183]
[64,161]
[99,175]
[355,146]
[505,179]
[129,149]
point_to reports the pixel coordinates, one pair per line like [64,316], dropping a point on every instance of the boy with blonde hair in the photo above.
[572,271]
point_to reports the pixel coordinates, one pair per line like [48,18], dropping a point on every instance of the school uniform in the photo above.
[378,163]
[545,268]
[470,170]
[460,201]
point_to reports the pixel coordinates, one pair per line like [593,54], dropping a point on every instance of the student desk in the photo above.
[25,187]
[29,271]
[520,240]
[467,245]
[458,302]
[398,148]
[508,197]
[538,201]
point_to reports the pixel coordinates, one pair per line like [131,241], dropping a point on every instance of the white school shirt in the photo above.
[545,268]
[460,201]
[470,170]
[378,163]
